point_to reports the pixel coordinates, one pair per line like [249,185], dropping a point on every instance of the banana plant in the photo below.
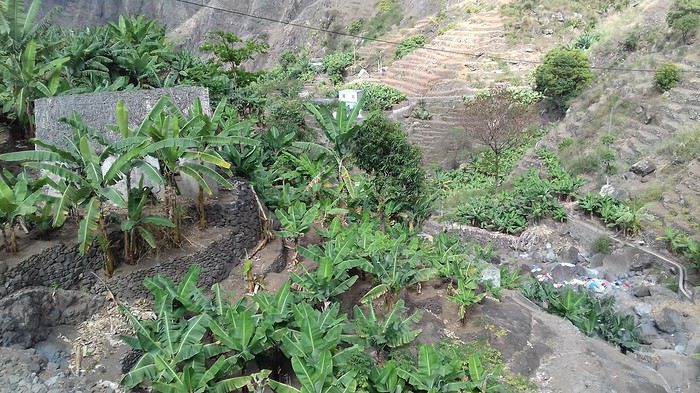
[178,151]
[395,270]
[338,128]
[394,330]
[19,199]
[387,379]
[331,278]
[85,179]
[19,24]
[435,376]
[296,221]
[466,296]
[138,222]
[212,133]
[27,79]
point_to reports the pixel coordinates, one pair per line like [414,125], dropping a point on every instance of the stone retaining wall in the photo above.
[63,267]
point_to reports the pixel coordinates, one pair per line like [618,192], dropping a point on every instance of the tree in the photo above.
[563,75]
[381,148]
[684,16]
[231,51]
[498,122]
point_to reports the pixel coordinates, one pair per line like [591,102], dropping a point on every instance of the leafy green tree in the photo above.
[381,148]
[82,182]
[232,51]
[339,129]
[335,64]
[563,75]
[684,16]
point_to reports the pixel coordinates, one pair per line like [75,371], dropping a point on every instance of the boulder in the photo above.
[492,274]
[643,167]
[669,321]
[363,74]
[642,291]
[647,333]
[643,309]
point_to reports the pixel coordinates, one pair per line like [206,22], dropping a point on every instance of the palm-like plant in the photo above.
[27,79]
[296,220]
[81,181]
[20,23]
[395,270]
[466,296]
[19,198]
[331,278]
[394,330]
[338,128]
[435,376]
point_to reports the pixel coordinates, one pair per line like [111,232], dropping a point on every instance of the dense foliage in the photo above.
[613,212]
[594,316]
[684,17]
[563,75]
[378,97]
[381,148]
[335,64]
[667,77]
[683,244]
[408,45]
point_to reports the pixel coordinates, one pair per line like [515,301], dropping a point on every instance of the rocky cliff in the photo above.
[189,24]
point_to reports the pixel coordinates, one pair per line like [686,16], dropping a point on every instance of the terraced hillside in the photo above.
[657,131]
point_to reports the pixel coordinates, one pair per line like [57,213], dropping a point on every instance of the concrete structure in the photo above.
[97,110]
[350,97]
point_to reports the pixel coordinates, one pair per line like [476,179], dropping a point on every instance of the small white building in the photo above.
[350,97]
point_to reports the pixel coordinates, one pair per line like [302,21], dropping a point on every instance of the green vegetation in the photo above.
[20,199]
[421,111]
[683,244]
[612,212]
[667,77]
[683,147]
[231,51]
[381,148]
[631,42]
[602,245]
[378,97]
[356,26]
[563,76]
[594,316]
[684,17]
[388,15]
[335,64]
[408,45]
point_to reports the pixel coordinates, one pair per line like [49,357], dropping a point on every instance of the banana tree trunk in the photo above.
[106,249]
[12,245]
[292,247]
[172,210]
[201,209]
[5,241]
[390,300]
[250,280]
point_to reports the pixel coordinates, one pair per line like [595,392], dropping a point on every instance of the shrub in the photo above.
[565,144]
[525,96]
[356,26]
[421,112]
[381,148]
[378,97]
[667,77]
[631,42]
[335,64]
[409,44]
[585,164]
[602,245]
[684,16]
[563,75]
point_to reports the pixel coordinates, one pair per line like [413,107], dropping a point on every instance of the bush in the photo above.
[563,75]
[602,245]
[381,148]
[667,77]
[631,42]
[565,144]
[378,97]
[421,111]
[335,64]
[356,26]
[409,44]
[684,16]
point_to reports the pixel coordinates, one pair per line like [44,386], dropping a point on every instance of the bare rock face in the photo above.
[27,316]
[189,24]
